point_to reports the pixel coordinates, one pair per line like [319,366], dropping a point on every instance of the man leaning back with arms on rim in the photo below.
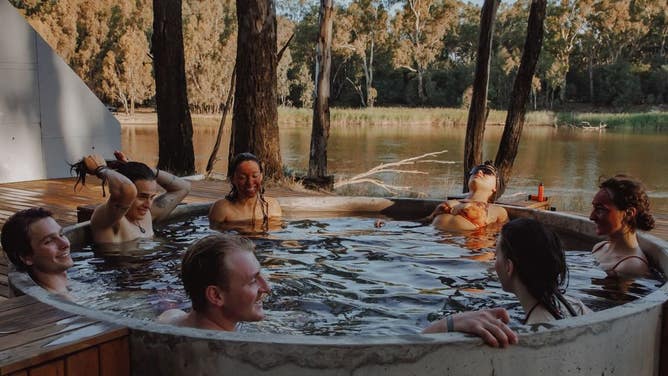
[133,202]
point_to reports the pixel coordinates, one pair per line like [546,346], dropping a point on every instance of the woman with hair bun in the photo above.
[621,207]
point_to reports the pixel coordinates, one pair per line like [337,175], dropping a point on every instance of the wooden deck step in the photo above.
[38,339]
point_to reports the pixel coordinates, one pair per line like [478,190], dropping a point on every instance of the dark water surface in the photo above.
[568,161]
[338,276]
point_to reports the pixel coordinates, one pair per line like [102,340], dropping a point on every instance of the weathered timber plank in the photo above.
[18,302]
[54,368]
[115,357]
[46,349]
[83,363]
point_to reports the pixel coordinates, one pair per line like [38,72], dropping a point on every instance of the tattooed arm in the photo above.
[176,190]
[122,193]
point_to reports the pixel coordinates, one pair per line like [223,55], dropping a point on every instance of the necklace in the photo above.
[143,230]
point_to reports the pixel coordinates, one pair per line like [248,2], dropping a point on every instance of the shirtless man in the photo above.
[224,280]
[34,243]
[133,202]
[222,277]
[246,202]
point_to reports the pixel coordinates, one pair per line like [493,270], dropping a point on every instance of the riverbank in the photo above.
[436,117]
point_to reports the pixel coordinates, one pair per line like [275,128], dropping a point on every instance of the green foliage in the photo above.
[597,52]
[617,86]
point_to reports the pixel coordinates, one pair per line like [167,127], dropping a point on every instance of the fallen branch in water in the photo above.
[392,167]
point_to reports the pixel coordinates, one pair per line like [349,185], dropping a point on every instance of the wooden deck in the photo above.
[36,339]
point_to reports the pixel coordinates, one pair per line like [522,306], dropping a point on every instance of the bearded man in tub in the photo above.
[224,281]
[34,242]
[134,203]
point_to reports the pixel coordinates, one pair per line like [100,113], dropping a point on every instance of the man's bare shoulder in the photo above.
[172,317]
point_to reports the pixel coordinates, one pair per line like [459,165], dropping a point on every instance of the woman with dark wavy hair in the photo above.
[620,208]
[530,263]
[246,202]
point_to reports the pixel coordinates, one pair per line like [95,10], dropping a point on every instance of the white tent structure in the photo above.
[48,116]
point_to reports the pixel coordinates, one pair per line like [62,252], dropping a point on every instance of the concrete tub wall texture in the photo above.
[48,116]
[625,340]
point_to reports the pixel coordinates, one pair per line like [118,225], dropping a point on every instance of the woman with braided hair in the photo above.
[530,263]
[621,207]
[246,202]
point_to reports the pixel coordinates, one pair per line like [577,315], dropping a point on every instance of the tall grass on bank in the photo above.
[289,116]
[402,116]
[646,120]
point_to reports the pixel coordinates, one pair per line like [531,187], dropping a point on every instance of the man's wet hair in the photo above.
[204,265]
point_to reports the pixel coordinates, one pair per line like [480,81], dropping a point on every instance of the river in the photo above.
[569,162]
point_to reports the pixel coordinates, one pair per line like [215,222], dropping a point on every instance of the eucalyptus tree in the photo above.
[255,116]
[512,131]
[419,28]
[361,27]
[175,129]
[317,167]
[565,24]
[210,31]
[475,126]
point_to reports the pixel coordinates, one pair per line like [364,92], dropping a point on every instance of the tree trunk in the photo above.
[475,126]
[512,131]
[368,75]
[590,70]
[317,166]
[175,129]
[255,117]
[420,87]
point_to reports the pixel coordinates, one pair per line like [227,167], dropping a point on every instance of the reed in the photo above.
[440,116]
[653,119]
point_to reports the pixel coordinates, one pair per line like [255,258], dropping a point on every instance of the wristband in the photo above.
[157,172]
[450,323]
[99,169]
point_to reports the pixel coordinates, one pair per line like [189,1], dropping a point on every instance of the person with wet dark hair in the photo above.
[34,242]
[134,201]
[620,208]
[476,210]
[246,202]
[531,263]
[223,279]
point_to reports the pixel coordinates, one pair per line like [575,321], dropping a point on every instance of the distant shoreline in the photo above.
[418,117]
